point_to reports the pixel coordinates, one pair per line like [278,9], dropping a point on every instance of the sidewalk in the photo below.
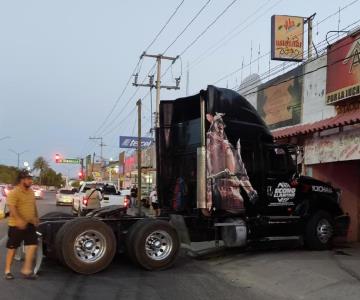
[293,274]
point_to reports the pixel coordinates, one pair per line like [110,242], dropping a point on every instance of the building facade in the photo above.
[317,106]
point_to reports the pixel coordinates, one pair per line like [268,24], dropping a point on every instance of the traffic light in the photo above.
[81,175]
[57,158]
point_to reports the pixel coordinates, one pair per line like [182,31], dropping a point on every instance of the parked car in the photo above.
[39,193]
[3,207]
[65,196]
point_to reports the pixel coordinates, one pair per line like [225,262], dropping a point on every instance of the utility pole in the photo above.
[309,21]
[158,85]
[18,156]
[138,103]
[101,146]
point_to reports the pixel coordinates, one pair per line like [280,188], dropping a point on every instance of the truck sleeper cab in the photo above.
[221,177]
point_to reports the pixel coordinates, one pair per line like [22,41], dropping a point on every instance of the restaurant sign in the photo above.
[339,147]
[287,38]
[343,69]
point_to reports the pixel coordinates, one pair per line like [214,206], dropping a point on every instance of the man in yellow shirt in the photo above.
[22,222]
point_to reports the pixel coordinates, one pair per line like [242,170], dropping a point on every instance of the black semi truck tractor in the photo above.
[220,176]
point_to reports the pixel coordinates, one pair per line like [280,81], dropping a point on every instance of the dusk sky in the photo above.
[63,64]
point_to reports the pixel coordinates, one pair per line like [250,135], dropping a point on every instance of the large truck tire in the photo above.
[59,239]
[155,245]
[319,231]
[129,245]
[56,214]
[87,246]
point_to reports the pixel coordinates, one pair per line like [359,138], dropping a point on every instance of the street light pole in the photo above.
[18,156]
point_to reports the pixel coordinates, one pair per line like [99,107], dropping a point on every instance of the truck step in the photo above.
[281,238]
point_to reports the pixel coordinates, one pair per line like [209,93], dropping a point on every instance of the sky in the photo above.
[64,64]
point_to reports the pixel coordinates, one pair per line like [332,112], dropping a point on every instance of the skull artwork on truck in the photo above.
[226,172]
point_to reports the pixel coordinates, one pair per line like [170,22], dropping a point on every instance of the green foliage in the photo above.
[41,165]
[50,178]
[8,174]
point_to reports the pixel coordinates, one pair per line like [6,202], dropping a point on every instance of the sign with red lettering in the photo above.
[343,69]
[287,38]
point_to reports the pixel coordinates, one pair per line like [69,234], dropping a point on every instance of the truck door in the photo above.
[280,168]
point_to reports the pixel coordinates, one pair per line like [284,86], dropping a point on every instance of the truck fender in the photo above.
[311,205]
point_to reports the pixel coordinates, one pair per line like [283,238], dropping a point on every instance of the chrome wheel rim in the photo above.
[324,231]
[90,246]
[158,245]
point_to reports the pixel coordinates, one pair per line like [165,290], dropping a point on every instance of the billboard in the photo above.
[343,69]
[279,100]
[132,142]
[287,38]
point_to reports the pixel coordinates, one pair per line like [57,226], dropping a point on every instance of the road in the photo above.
[188,279]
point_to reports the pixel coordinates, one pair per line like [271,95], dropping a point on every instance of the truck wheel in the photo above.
[130,238]
[155,245]
[87,245]
[55,214]
[319,231]
[59,239]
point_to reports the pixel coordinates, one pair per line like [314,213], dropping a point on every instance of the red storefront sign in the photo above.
[343,69]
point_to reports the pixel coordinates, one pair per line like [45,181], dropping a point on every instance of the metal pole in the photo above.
[201,160]
[310,28]
[138,103]
[158,84]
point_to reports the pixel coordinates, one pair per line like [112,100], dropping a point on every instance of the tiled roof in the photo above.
[348,118]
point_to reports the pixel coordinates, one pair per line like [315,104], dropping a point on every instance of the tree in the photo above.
[41,165]
[51,178]
[8,174]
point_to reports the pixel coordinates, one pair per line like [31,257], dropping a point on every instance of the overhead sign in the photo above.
[287,38]
[69,161]
[132,142]
[343,69]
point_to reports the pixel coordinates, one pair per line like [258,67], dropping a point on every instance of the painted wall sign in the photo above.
[287,38]
[132,142]
[279,100]
[343,70]
[339,147]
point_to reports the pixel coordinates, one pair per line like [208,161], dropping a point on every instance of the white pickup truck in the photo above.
[109,192]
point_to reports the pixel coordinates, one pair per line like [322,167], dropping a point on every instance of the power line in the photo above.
[306,73]
[208,27]
[277,69]
[138,63]
[221,42]
[268,53]
[187,26]
[163,28]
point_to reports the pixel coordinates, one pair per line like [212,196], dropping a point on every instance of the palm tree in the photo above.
[41,165]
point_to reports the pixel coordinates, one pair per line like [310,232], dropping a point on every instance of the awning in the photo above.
[348,118]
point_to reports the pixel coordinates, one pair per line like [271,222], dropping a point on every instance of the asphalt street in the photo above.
[188,279]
